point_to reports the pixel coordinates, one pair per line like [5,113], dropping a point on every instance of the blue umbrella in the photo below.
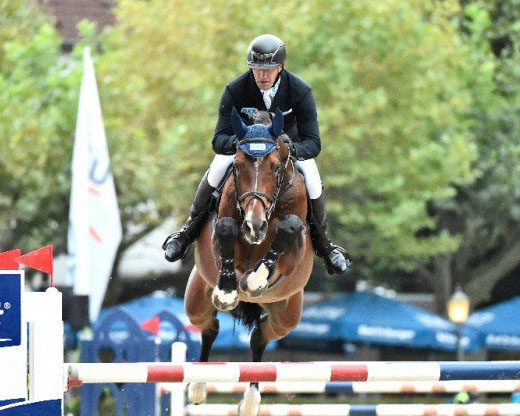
[499,325]
[367,318]
[231,334]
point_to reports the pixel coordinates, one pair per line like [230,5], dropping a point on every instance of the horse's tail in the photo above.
[248,313]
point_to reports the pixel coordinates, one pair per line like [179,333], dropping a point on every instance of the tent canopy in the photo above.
[368,318]
[499,325]
[231,334]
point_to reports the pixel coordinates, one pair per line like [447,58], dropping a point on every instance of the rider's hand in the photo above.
[290,144]
[234,142]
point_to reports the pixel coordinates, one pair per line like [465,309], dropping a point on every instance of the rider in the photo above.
[266,86]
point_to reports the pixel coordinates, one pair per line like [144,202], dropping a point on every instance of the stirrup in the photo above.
[343,251]
[340,251]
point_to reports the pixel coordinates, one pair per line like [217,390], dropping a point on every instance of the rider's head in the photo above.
[265,57]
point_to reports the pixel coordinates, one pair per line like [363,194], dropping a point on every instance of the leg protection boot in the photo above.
[177,245]
[336,258]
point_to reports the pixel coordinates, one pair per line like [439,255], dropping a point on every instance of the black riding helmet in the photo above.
[265,52]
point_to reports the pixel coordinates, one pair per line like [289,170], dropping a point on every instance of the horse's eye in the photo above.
[276,168]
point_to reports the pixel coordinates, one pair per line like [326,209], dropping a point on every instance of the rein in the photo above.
[278,191]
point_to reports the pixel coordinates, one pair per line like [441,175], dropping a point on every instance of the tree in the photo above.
[37,111]
[486,213]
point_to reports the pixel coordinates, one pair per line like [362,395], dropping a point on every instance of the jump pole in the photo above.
[350,387]
[475,409]
[81,373]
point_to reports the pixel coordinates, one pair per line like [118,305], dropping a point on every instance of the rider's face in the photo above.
[265,78]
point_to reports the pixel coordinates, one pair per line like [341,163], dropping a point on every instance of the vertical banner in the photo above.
[94,223]
[13,339]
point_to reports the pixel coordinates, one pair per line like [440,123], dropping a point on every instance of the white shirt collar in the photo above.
[269,94]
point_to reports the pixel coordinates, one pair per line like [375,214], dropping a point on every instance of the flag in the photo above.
[95,229]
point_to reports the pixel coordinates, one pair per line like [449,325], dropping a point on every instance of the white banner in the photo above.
[94,223]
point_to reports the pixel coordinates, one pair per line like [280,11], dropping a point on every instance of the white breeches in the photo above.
[308,167]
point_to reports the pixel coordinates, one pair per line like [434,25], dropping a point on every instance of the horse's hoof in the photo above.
[223,301]
[256,281]
[197,393]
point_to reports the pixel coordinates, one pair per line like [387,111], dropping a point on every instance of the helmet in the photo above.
[265,52]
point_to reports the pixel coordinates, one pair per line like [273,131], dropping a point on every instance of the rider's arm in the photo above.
[307,144]
[223,139]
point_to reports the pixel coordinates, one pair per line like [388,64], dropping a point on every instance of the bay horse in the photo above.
[255,257]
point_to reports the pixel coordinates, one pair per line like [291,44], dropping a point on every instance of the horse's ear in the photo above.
[239,127]
[276,127]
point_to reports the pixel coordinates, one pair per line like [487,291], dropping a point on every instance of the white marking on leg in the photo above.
[250,404]
[197,393]
[258,278]
[225,297]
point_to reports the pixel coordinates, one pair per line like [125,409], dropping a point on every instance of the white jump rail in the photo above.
[353,410]
[389,387]
[286,371]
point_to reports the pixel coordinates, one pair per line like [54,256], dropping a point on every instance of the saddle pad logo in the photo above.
[10,310]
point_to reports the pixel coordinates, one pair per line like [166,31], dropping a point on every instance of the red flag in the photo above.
[40,259]
[8,259]
[151,325]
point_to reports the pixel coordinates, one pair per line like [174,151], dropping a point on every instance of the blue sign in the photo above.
[10,310]
[45,407]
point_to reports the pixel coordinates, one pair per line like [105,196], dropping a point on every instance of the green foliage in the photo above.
[392,108]
[37,112]
[487,213]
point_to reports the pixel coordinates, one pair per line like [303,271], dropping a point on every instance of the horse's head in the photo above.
[259,168]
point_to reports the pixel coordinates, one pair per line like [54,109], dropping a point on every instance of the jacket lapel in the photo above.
[254,92]
[281,93]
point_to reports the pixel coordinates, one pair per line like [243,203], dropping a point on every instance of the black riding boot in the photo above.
[177,245]
[336,258]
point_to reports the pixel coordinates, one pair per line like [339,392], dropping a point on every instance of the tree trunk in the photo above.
[484,277]
[442,280]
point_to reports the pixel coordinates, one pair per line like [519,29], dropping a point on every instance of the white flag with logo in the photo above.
[94,224]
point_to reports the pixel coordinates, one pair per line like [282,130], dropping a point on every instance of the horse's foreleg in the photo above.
[288,231]
[202,314]
[225,294]
[197,391]
[282,317]
[250,403]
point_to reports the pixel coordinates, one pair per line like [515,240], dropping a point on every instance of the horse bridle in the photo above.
[278,191]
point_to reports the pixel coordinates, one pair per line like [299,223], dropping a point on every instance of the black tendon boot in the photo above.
[177,245]
[336,258]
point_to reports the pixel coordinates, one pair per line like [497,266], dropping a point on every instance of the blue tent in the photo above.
[499,325]
[367,318]
[231,335]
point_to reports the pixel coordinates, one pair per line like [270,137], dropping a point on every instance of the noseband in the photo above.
[278,191]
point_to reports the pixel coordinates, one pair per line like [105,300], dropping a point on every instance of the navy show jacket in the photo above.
[301,124]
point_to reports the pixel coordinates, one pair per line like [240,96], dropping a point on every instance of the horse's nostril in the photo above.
[263,228]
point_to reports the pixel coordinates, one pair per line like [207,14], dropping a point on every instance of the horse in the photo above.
[255,256]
